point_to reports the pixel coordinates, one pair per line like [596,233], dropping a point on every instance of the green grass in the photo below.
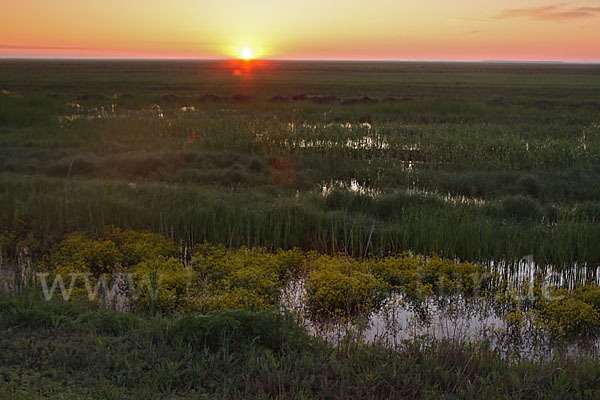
[66,350]
[209,174]
[481,162]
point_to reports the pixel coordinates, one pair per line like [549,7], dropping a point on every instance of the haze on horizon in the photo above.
[514,30]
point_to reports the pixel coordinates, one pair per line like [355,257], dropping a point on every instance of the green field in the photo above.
[324,170]
[475,161]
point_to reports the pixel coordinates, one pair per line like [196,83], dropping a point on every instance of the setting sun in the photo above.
[247,53]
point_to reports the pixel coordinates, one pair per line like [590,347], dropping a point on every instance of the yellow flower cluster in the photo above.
[145,268]
[242,278]
[342,285]
[216,277]
[573,315]
[417,275]
[562,314]
[87,266]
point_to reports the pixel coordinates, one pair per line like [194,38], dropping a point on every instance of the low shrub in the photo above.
[520,208]
[164,284]
[416,275]
[343,286]
[571,315]
[248,279]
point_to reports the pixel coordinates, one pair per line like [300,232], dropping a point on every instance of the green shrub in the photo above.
[238,329]
[520,208]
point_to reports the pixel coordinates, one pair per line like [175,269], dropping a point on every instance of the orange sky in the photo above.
[306,29]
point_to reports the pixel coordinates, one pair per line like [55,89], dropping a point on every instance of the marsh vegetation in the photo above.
[444,213]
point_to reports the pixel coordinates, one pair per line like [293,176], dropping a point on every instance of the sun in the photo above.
[247,54]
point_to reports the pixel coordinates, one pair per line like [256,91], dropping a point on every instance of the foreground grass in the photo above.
[70,350]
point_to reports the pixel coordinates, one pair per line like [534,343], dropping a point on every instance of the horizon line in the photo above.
[499,61]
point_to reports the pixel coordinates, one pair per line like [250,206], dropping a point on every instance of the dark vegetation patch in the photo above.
[279,99]
[324,99]
[367,100]
[19,111]
[543,104]
[521,208]
[497,103]
[241,98]
[91,96]
[588,105]
[211,98]
[530,186]
[170,97]
[299,97]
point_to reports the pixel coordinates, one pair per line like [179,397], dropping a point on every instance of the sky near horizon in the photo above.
[532,30]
